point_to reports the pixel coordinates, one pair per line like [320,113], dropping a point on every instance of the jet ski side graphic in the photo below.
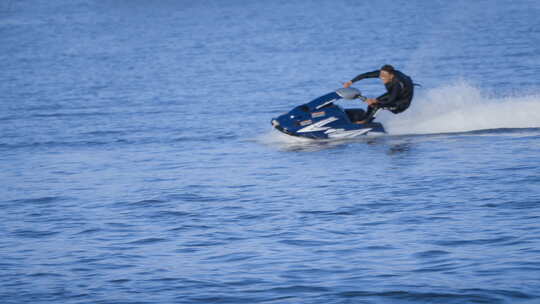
[340,133]
[319,126]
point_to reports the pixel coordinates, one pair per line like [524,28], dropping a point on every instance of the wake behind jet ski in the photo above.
[322,119]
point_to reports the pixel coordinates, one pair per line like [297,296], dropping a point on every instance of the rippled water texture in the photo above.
[139,165]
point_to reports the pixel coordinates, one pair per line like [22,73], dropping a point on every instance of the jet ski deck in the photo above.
[322,119]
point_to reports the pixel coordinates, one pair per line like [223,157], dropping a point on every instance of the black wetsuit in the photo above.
[398,96]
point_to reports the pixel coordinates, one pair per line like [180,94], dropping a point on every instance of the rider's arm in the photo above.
[373,74]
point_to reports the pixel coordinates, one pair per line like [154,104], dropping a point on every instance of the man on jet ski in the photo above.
[398,96]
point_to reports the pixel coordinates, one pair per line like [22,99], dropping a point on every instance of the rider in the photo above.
[398,96]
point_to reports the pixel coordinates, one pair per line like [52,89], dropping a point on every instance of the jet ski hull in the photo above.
[322,119]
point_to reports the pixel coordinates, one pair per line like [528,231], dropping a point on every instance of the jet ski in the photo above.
[322,119]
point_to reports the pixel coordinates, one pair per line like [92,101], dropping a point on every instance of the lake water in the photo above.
[138,164]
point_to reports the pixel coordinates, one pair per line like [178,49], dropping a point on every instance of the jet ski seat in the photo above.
[355,114]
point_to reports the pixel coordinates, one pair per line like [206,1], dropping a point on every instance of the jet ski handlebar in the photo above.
[350,93]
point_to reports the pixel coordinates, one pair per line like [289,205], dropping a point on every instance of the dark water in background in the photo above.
[138,164]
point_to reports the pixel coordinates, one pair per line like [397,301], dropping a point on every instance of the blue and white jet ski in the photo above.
[322,119]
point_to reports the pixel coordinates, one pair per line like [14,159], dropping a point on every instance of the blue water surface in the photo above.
[138,164]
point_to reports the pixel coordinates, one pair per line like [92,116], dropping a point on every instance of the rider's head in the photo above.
[386,73]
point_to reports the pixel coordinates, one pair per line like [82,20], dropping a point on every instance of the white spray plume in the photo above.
[460,107]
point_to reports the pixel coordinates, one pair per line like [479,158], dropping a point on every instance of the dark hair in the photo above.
[388,68]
